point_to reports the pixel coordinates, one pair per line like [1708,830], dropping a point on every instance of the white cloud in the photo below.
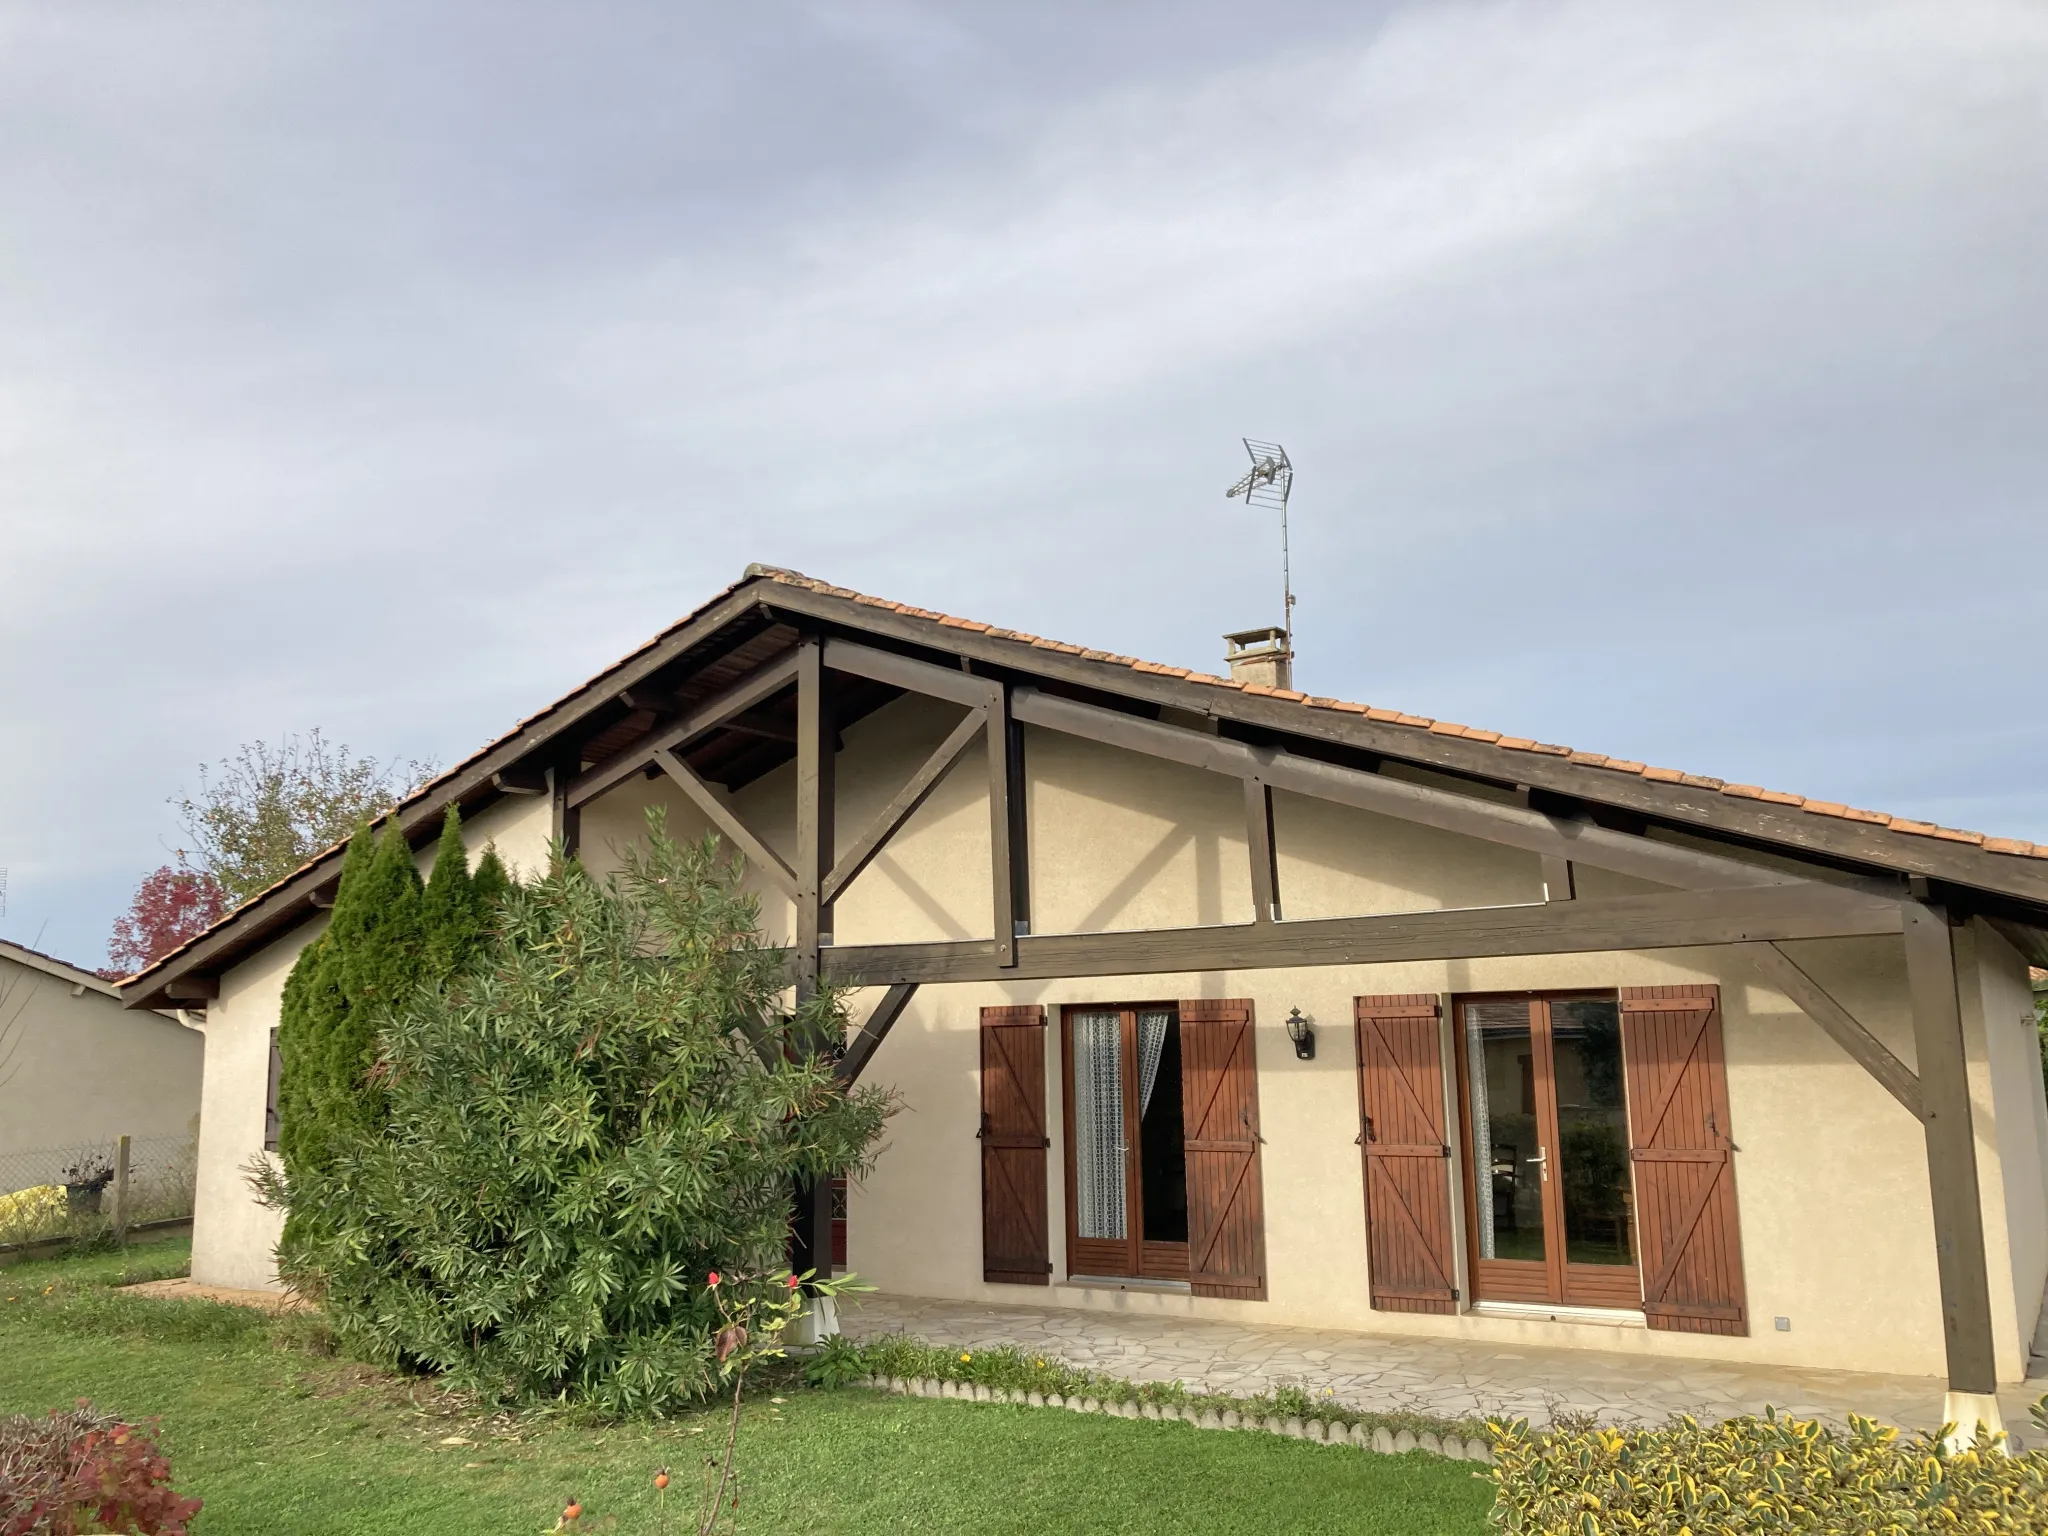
[1664,377]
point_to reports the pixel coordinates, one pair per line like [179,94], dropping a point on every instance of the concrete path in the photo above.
[1448,1378]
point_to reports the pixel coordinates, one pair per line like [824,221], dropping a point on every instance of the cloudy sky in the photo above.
[1667,380]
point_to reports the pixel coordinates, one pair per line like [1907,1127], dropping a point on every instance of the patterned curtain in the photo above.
[1099,1125]
[1151,1041]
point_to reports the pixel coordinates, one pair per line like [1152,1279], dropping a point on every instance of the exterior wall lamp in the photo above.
[1302,1034]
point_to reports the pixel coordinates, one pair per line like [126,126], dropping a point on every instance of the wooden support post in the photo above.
[1001,853]
[121,1190]
[814,804]
[811,1226]
[566,824]
[1258,836]
[1020,829]
[1951,1166]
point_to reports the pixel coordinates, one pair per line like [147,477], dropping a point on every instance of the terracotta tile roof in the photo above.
[1905,826]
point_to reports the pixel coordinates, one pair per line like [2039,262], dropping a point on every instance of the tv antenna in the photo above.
[1266,486]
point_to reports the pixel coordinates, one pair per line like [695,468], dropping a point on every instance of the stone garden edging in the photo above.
[1316,1431]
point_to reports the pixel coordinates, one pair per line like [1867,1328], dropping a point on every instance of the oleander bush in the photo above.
[78,1470]
[1760,1475]
[577,1129]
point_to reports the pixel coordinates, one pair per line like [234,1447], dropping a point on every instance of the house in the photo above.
[78,1071]
[1206,997]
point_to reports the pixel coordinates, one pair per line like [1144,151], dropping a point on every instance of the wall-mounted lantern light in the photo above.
[1302,1034]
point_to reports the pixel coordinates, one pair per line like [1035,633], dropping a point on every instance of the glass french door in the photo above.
[1549,1198]
[1127,1197]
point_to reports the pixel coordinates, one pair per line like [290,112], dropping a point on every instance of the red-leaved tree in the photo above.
[171,906]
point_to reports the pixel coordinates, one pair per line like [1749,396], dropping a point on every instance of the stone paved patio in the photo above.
[1450,1378]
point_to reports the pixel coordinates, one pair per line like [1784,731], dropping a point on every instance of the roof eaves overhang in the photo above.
[1704,812]
[2020,886]
[58,970]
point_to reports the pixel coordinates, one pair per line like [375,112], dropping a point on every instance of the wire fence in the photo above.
[77,1192]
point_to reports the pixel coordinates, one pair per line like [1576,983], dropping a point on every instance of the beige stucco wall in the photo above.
[1836,1227]
[1830,1172]
[77,1068]
[518,826]
[233,1238]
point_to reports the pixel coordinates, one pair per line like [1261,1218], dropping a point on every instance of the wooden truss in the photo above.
[1713,899]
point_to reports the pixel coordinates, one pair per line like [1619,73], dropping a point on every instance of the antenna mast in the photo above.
[1266,485]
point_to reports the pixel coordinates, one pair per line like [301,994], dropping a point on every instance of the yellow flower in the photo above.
[965,1358]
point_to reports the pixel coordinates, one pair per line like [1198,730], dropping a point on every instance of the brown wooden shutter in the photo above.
[1015,1248]
[1219,1084]
[1682,1147]
[1407,1155]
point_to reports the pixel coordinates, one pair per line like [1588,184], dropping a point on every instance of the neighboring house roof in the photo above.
[2009,867]
[50,965]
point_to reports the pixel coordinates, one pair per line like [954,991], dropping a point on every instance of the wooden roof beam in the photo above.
[764,682]
[913,794]
[1667,920]
[1547,836]
[864,1042]
[1785,974]
[758,853]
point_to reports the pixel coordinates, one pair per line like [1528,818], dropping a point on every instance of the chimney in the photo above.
[1264,656]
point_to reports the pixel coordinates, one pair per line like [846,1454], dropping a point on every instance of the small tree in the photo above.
[370,958]
[458,907]
[265,811]
[602,1111]
[171,907]
[387,934]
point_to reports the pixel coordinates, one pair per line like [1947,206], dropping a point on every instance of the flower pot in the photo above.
[84,1199]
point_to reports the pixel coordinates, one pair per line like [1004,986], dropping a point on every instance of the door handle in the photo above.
[1542,1160]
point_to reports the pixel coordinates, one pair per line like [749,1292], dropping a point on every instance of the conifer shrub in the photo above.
[387,934]
[598,1113]
[1762,1475]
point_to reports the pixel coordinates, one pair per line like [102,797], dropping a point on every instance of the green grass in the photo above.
[281,1440]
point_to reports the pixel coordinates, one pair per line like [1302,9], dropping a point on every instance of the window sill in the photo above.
[1545,1312]
[1124,1283]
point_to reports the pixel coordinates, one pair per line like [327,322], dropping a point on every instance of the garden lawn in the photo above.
[281,1440]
